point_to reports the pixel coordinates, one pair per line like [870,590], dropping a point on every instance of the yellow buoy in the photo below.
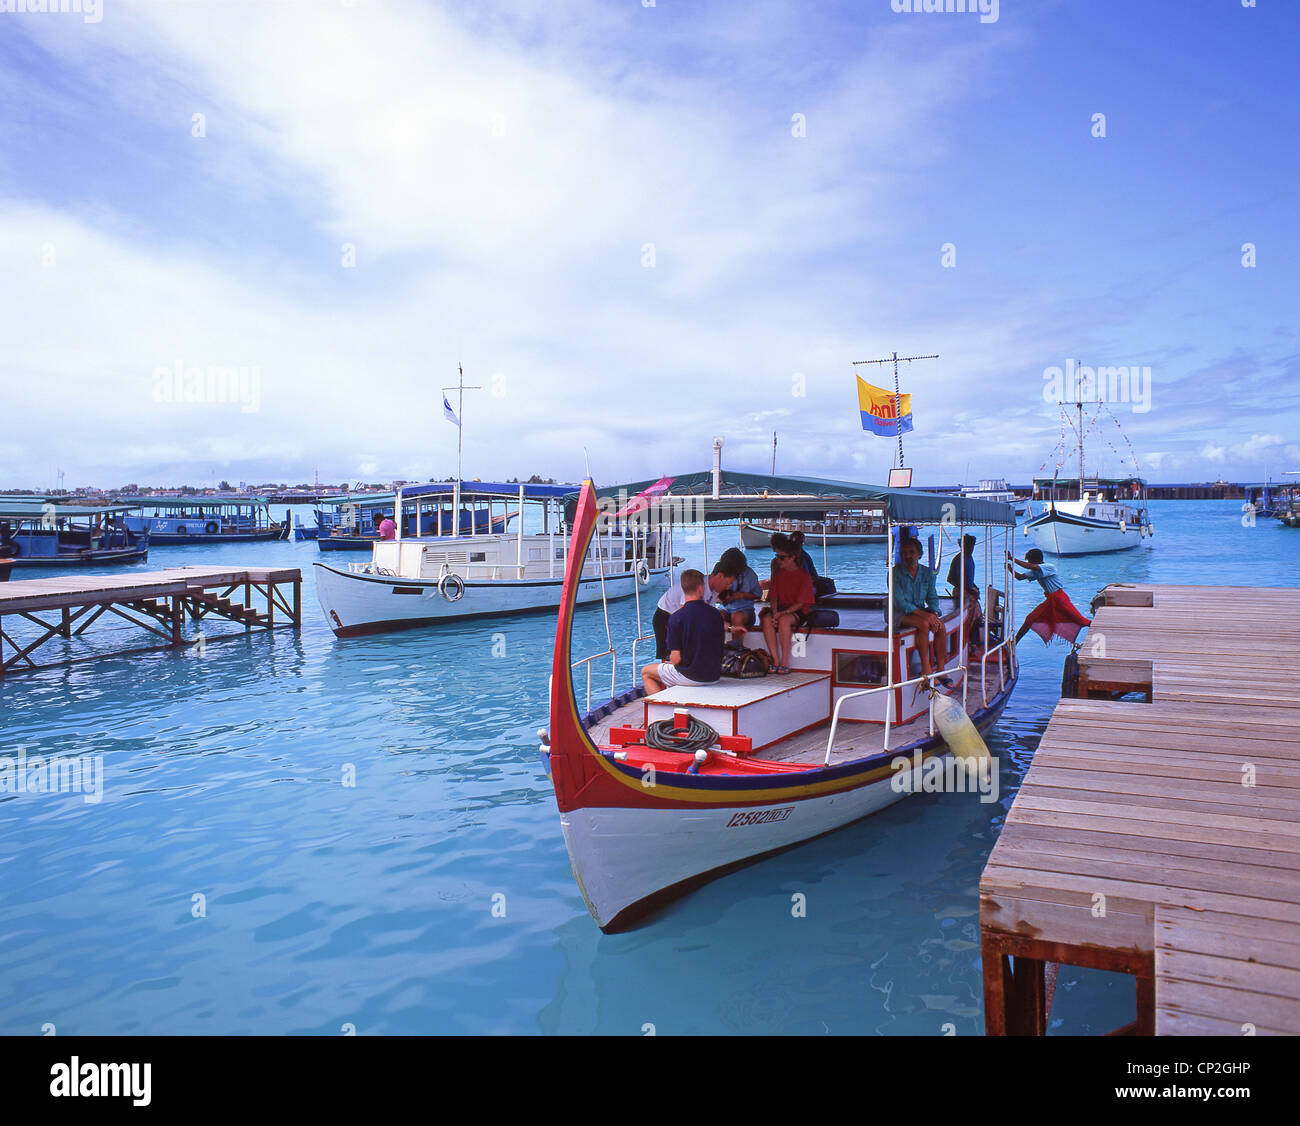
[952,722]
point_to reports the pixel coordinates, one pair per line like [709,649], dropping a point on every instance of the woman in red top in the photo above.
[789,596]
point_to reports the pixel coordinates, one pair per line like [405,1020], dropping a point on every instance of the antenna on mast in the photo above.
[896,359]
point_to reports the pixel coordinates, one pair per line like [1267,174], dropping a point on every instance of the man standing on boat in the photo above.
[695,642]
[916,606]
[1056,615]
[387,529]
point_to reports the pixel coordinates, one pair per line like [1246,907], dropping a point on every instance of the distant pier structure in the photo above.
[1157,832]
[172,605]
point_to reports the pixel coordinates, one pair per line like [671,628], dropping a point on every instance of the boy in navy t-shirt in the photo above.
[695,642]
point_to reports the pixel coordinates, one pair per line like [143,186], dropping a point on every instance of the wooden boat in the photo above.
[352,523]
[1089,522]
[69,535]
[180,521]
[793,756]
[1095,523]
[420,579]
[836,528]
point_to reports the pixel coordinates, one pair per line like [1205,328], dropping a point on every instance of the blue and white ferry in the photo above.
[174,521]
[43,534]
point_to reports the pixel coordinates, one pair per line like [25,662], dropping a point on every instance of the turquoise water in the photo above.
[371,905]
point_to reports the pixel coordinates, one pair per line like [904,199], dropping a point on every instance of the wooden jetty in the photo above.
[1160,836]
[159,602]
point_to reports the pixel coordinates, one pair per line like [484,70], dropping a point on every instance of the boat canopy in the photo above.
[194,502]
[36,510]
[359,500]
[506,489]
[751,494]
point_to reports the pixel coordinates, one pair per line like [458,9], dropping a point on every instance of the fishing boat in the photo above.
[1110,515]
[836,528]
[192,520]
[420,578]
[70,535]
[994,488]
[779,759]
[352,523]
[1089,517]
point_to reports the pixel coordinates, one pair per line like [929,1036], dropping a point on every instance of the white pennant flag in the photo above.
[448,413]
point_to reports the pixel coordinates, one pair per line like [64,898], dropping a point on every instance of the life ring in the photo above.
[212,527]
[451,586]
[643,572]
[180,529]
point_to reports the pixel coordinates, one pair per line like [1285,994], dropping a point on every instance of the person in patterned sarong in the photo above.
[1056,615]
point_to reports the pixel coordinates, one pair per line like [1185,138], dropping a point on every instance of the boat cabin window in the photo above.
[860,669]
[537,553]
[478,556]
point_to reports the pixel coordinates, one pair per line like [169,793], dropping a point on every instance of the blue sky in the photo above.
[610,213]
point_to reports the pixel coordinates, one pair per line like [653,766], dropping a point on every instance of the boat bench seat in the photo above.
[766,709]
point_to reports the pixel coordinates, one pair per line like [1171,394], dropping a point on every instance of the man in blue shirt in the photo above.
[695,641]
[916,606]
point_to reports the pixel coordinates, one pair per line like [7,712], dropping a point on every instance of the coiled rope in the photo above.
[695,736]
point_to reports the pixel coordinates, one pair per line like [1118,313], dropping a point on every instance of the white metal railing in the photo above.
[613,676]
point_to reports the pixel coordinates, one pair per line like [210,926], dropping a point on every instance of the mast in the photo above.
[773,453]
[896,359]
[460,389]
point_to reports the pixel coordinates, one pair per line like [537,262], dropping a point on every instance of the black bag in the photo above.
[823,587]
[744,664]
[818,618]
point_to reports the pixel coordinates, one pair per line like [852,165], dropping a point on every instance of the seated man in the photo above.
[916,606]
[387,527]
[737,601]
[790,597]
[695,642]
[674,598]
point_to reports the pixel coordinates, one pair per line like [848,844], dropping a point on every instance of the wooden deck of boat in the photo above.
[1162,838]
[159,602]
[853,741]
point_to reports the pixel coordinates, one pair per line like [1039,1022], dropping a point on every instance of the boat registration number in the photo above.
[760,816]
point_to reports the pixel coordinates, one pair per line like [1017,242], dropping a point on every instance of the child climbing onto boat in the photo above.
[1056,615]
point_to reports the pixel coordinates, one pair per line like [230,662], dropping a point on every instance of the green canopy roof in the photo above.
[744,494]
[35,509]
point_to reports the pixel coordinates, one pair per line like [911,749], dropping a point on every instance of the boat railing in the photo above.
[889,705]
[613,675]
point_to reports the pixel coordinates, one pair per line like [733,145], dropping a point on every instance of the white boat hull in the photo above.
[357,603]
[1067,536]
[626,857]
[752,535]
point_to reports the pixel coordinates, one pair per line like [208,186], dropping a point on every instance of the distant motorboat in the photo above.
[836,528]
[70,535]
